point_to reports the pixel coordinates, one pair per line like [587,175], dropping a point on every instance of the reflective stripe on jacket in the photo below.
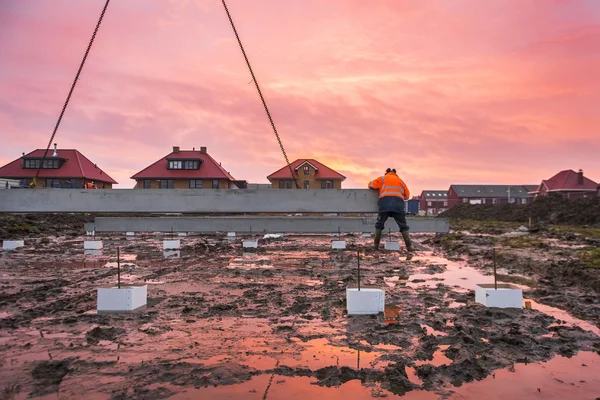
[390,185]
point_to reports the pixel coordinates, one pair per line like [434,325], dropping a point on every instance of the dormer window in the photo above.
[34,163]
[306,170]
[184,164]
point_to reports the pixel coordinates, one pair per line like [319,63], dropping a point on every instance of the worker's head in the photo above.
[387,171]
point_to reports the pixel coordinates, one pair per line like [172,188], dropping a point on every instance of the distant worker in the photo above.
[90,185]
[392,194]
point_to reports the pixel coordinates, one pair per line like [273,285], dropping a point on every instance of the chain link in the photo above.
[261,95]
[87,51]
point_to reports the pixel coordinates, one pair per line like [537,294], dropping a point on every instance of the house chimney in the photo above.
[175,149]
[203,150]
[55,153]
[580,177]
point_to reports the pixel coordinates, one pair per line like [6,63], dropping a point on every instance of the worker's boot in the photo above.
[377,238]
[409,247]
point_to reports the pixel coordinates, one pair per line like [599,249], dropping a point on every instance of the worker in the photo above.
[90,185]
[392,194]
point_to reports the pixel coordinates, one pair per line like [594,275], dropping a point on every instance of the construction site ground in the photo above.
[228,322]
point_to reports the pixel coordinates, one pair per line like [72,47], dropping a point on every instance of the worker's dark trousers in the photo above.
[399,217]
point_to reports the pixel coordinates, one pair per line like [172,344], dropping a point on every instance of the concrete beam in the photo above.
[258,224]
[187,201]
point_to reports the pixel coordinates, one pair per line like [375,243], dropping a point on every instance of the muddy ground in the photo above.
[225,322]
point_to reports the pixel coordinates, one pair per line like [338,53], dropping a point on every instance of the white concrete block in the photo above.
[335,234]
[273,236]
[182,234]
[12,244]
[126,298]
[93,245]
[338,244]
[231,234]
[253,244]
[367,300]
[171,244]
[366,235]
[507,295]
[392,246]
[130,234]
[90,233]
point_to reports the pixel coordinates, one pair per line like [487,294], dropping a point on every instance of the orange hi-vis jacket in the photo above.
[390,185]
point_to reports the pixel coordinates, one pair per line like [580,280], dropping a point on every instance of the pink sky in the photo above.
[461,91]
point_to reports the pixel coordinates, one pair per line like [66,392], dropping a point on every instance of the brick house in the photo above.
[433,202]
[309,173]
[572,185]
[186,169]
[490,194]
[62,168]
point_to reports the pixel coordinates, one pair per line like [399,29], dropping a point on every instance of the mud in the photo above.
[552,267]
[222,321]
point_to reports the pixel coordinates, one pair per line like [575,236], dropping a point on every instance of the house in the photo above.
[573,185]
[309,173]
[490,194]
[433,202]
[186,169]
[62,168]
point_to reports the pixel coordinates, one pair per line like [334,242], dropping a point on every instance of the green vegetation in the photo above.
[524,242]
[591,258]
[586,232]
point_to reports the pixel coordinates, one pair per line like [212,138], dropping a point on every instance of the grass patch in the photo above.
[586,232]
[524,242]
[591,258]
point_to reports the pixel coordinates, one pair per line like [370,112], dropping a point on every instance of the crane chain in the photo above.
[261,95]
[87,51]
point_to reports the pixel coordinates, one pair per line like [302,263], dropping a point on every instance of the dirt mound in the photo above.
[552,209]
[14,226]
[48,375]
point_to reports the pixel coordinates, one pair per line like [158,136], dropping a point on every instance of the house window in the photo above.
[288,184]
[52,183]
[465,200]
[166,184]
[445,204]
[146,183]
[281,184]
[196,183]
[523,201]
[494,201]
[50,164]
[215,184]
[306,184]
[326,184]
[175,165]
[428,204]
[193,164]
[306,170]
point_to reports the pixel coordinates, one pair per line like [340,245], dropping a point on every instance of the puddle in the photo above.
[295,388]
[319,353]
[558,379]
[458,274]
[564,316]
[439,358]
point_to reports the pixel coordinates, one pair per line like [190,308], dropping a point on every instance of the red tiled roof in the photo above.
[568,180]
[76,165]
[323,171]
[209,168]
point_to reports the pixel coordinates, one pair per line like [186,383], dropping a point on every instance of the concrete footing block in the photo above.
[129,233]
[366,301]
[171,244]
[230,234]
[506,296]
[93,245]
[367,235]
[338,244]
[124,299]
[392,246]
[182,234]
[252,244]
[12,244]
